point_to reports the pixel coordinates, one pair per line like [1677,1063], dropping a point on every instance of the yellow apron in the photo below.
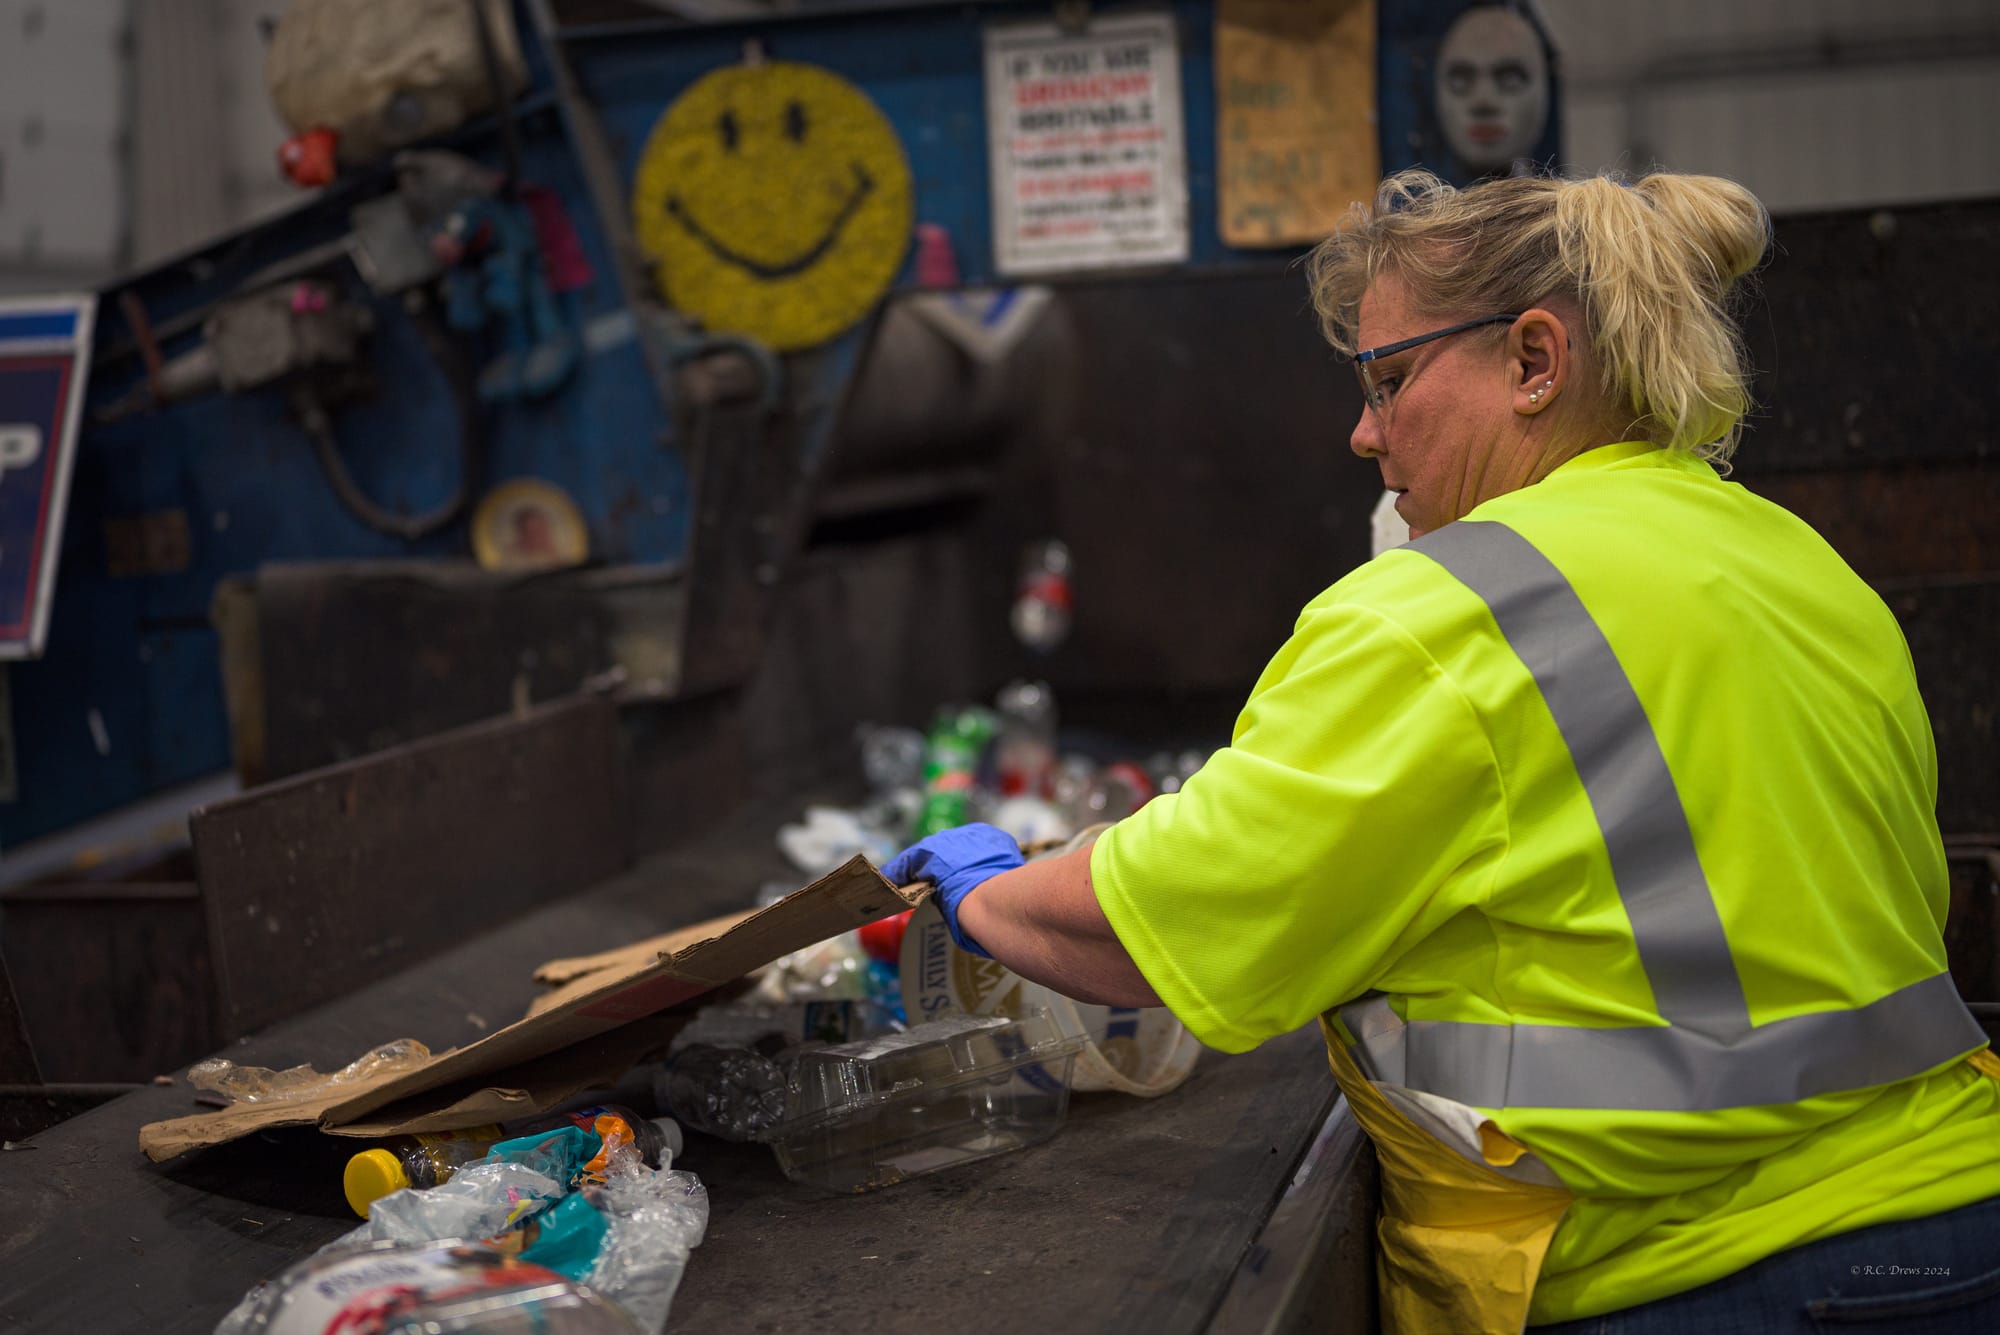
[1460,1244]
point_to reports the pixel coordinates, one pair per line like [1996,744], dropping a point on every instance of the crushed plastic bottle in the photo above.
[731,1093]
[1042,596]
[428,1158]
[261,1084]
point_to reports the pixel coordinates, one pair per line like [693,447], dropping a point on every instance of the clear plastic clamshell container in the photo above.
[963,1087]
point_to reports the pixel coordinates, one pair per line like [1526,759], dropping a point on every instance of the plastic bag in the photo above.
[651,1219]
[261,1084]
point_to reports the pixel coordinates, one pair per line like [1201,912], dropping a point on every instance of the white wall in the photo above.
[130,130]
[63,115]
[205,139]
[1811,103]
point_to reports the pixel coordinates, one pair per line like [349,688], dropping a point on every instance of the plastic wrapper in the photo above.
[445,1288]
[829,836]
[651,1219]
[261,1084]
[837,969]
[1033,821]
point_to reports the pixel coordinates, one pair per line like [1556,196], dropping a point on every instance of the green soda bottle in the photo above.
[951,759]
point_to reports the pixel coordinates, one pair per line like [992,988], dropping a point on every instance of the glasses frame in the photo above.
[1378,401]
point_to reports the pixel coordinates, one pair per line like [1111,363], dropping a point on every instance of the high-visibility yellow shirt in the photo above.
[1401,810]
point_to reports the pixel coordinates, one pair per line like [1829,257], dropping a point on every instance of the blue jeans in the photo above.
[1934,1276]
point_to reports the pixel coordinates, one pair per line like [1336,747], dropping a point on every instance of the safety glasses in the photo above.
[1380,393]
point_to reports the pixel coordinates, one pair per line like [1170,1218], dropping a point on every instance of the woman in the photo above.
[1596,824]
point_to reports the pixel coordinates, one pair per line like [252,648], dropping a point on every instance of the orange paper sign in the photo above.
[1295,109]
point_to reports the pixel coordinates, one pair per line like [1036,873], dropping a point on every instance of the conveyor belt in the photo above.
[1136,1217]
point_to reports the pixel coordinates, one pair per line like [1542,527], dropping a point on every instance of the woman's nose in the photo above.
[1366,438]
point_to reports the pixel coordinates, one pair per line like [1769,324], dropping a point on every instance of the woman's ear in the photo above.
[1538,359]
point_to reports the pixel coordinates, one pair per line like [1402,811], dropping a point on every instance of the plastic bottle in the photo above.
[428,1158]
[439,1289]
[1170,771]
[750,1025]
[1042,596]
[891,757]
[1091,796]
[421,1160]
[729,1092]
[1025,754]
[951,764]
[1119,789]
[1074,776]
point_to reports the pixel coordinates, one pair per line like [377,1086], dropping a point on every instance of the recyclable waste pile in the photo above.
[1000,764]
[1003,765]
[867,1059]
[567,1228]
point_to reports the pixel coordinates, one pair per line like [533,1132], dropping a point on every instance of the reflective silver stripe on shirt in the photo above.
[1618,758]
[1707,1055]
[1666,1068]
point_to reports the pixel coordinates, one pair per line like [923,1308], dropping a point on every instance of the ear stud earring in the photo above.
[1536,397]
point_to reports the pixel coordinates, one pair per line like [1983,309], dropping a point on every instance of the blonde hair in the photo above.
[1652,265]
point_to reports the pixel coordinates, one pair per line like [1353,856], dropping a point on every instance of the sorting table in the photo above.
[1243,1200]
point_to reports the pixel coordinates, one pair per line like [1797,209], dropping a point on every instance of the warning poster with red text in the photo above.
[1088,157]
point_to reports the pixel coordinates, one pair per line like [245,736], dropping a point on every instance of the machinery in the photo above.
[347,382]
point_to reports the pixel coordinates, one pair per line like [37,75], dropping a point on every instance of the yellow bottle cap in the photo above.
[371,1175]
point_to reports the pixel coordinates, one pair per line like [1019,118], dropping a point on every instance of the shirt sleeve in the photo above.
[1357,809]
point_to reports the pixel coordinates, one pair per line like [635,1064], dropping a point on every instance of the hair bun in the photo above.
[1714,216]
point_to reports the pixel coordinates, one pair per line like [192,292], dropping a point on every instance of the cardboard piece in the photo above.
[574,1036]
[524,1090]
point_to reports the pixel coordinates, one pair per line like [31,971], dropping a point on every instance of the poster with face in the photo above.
[1492,93]
[1469,88]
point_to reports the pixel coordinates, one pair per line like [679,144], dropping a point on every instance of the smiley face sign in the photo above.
[776,201]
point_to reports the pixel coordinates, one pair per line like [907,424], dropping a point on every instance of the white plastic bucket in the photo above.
[1134,1051]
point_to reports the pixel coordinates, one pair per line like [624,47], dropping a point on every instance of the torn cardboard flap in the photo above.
[176,1136]
[524,1090]
[556,973]
[602,993]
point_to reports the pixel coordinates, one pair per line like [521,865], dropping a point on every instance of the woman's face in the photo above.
[1447,438]
[1492,88]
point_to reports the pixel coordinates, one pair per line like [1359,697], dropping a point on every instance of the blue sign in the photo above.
[44,359]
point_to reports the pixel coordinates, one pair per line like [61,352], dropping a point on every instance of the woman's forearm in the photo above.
[1043,922]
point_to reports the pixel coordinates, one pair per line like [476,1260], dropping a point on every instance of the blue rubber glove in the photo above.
[957,862]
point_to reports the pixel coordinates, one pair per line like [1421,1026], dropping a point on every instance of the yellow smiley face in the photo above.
[775,201]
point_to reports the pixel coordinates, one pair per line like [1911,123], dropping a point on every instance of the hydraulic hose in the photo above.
[318,426]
